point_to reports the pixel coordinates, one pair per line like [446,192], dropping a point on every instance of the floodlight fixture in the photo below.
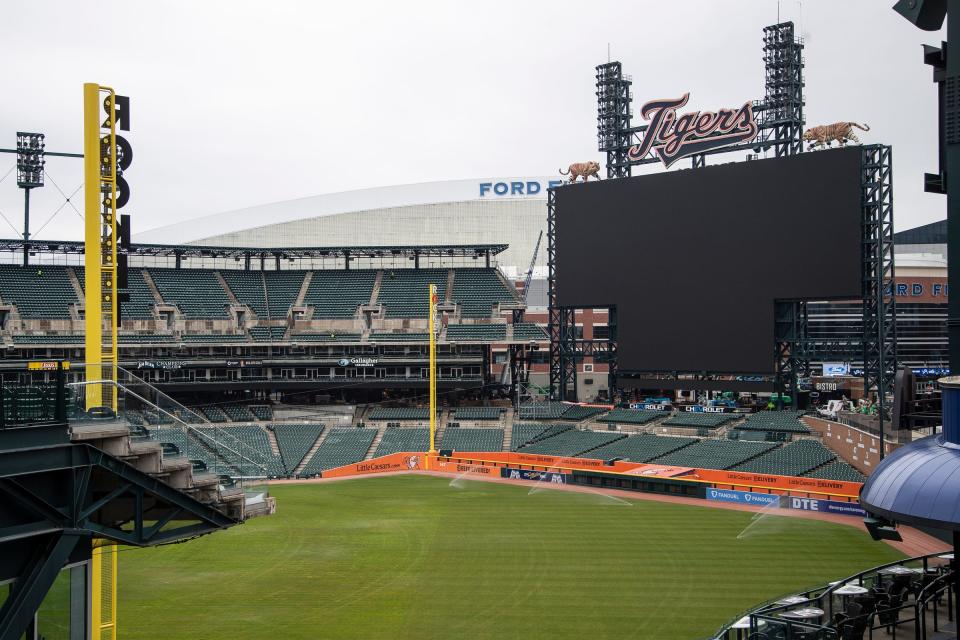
[30,160]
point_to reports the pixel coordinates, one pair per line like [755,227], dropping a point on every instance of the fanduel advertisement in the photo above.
[743,497]
[527,474]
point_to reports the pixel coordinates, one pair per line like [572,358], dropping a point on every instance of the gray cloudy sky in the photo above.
[241,103]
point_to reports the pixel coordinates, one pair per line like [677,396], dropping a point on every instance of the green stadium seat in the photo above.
[529,331]
[697,420]
[196,292]
[464,439]
[793,459]
[399,413]
[478,413]
[403,292]
[40,291]
[643,447]
[396,439]
[295,441]
[479,290]
[476,332]
[632,416]
[341,446]
[572,443]
[715,454]
[338,293]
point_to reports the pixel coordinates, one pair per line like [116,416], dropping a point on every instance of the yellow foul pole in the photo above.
[100,307]
[433,369]
[92,251]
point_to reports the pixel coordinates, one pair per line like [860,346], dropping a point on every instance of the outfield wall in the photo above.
[765,490]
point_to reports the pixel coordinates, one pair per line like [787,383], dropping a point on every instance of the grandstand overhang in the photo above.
[198,251]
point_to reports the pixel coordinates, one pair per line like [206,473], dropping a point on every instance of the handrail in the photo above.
[769,608]
[197,432]
[199,414]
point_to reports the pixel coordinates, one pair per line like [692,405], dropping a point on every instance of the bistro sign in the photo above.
[672,137]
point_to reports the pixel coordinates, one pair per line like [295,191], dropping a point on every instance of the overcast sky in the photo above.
[237,103]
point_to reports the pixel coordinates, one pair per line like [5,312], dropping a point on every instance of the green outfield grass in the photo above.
[429,558]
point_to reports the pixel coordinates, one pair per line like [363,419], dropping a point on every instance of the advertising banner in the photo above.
[407,461]
[824,506]
[766,480]
[836,369]
[651,406]
[445,466]
[743,497]
[527,474]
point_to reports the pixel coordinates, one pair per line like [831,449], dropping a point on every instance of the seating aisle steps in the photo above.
[313,450]
[507,430]
[272,439]
[303,289]
[376,441]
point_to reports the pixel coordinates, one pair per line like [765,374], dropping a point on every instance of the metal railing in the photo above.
[153,415]
[909,598]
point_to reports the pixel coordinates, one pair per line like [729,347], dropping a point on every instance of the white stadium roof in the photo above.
[478,189]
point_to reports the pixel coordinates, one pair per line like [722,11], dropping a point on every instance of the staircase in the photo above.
[507,430]
[442,421]
[226,288]
[75,282]
[303,289]
[375,443]
[375,293]
[153,287]
[311,452]
[450,277]
[272,439]
[266,294]
[113,438]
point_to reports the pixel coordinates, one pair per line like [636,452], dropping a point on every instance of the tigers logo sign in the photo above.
[671,136]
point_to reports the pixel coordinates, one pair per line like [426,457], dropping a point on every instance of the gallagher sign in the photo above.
[358,362]
[672,137]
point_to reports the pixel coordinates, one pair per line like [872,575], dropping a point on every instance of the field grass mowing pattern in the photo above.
[425,557]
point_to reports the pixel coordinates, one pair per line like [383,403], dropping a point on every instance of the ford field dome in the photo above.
[508,211]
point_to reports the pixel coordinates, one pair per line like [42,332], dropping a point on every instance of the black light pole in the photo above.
[30,161]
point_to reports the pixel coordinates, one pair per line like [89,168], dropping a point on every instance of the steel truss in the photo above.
[779,115]
[58,498]
[878,344]
[566,349]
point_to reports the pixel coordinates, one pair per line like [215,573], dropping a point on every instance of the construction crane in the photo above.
[533,261]
[526,292]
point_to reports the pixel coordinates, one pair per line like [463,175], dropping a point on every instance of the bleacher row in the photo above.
[233,412]
[46,291]
[242,445]
[241,450]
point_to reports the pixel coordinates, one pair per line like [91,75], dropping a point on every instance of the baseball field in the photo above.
[427,558]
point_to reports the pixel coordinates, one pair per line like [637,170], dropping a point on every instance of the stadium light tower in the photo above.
[30,161]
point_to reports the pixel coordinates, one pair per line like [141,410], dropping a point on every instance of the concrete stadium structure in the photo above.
[480,211]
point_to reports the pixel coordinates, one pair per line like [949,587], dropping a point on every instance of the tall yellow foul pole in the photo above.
[92,252]
[100,303]
[433,371]
[100,242]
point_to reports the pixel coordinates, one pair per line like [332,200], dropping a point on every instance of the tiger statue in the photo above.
[825,134]
[585,169]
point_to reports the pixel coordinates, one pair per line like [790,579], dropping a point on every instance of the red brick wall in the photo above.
[856,447]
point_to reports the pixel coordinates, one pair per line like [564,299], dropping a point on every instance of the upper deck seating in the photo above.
[477,290]
[196,292]
[403,292]
[40,291]
[338,293]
